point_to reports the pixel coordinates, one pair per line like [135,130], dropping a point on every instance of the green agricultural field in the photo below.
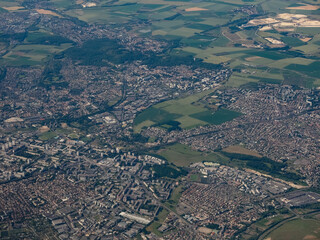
[297,79]
[297,230]
[139,126]
[156,115]
[32,54]
[184,32]
[282,63]
[187,122]
[4,3]
[221,41]
[292,41]
[62,4]
[218,117]
[238,79]
[311,70]
[98,15]
[271,75]
[274,55]
[198,32]
[185,113]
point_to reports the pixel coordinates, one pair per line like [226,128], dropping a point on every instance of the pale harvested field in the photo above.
[305,39]
[306,7]
[241,150]
[310,237]
[47,12]
[194,9]
[13,8]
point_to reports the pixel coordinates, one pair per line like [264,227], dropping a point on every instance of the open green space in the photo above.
[311,70]
[292,41]
[47,136]
[156,115]
[46,38]
[153,227]
[31,54]
[182,155]
[168,171]
[297,79]
[297,230]
[175,196]
[184,113]
[264,165]
[218,117]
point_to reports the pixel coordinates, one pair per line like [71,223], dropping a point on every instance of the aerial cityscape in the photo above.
[160,119]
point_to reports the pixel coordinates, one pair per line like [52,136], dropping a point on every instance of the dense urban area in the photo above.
[159,119]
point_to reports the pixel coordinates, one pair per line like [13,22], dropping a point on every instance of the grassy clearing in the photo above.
[153,227]
[297,230]
[62,4]
[32,54]
[98,15]
[184,32]
[175,195]
[292,41]
[173,110]
[195,177]
[312,70]
[255,75]
[182,106]
[156,115]
[218,117]
[298,79]
[140,126]
[4,3]
[185,112]
[47,136]
[182,155]
[187,122]
[274,55]
[287,61]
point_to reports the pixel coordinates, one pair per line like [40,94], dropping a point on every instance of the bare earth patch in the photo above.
[285,20]
[48,12]
[44,129]
[205,230]
[193,9]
